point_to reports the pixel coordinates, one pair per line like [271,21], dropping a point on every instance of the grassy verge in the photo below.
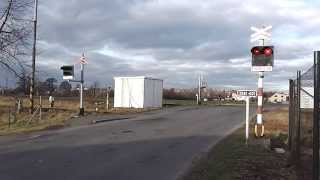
[58,117]
[22,124]
[233,159]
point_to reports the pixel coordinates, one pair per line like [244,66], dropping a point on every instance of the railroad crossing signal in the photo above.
[83,59]
[261,34]
[262,58]
[68,72]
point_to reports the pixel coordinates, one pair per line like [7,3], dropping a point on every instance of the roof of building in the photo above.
[279,93]
[137,77]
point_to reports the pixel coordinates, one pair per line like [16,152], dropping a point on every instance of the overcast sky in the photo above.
[176,40]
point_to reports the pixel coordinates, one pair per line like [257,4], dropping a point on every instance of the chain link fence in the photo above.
[304,121]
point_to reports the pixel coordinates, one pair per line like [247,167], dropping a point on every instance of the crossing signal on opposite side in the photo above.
[68,72]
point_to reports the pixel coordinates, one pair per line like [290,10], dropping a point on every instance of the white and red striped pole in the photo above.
[259,122]
[83,61]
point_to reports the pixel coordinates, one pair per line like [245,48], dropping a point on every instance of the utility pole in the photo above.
[315,154]
[6,87]
[108,96]
[81,113]
[33,56]
[82,62]
[199,90]
[201,85]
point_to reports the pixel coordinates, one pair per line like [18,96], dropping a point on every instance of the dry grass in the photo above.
[64,103]
[50,120]
[6,101]
[232,159]
[20,122]
[306,127]
[276,121]
[64,108]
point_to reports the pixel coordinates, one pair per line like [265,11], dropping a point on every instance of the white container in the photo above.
[137,92]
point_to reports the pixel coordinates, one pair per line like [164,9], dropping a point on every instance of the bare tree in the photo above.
[15,28]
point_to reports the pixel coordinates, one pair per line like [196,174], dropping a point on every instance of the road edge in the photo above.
[187,168]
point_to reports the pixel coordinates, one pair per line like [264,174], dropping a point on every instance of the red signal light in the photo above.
[268,51]
[255,51]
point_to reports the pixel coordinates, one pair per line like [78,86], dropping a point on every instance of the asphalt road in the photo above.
[153,146]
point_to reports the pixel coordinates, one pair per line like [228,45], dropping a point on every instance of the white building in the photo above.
[236,97]
[278,98]
[138,92]
[306,95]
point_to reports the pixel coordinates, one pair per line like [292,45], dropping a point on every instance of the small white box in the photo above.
[138,92]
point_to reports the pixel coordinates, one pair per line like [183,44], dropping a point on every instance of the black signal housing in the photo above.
[262,56]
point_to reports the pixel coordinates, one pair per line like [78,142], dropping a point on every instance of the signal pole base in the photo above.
[81,112]
[258,127]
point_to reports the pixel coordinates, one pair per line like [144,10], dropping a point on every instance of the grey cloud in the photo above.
[172,34]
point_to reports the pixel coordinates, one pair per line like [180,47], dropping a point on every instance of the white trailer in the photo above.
[138,92]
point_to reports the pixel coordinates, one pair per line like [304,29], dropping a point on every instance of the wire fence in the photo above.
[303,121]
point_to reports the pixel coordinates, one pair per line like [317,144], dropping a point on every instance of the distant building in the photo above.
[278,98]
[236,97]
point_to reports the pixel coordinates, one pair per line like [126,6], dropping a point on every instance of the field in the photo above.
[64,109]
[12,121]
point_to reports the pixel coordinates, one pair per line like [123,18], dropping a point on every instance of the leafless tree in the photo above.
[15,30]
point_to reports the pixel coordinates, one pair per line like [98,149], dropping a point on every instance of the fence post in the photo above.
[19,106]
[298,116]
[107,103]
[295,151]
[293,123]
[291,83]
[294,113]
[315,163]
[40,102]
[9,119]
